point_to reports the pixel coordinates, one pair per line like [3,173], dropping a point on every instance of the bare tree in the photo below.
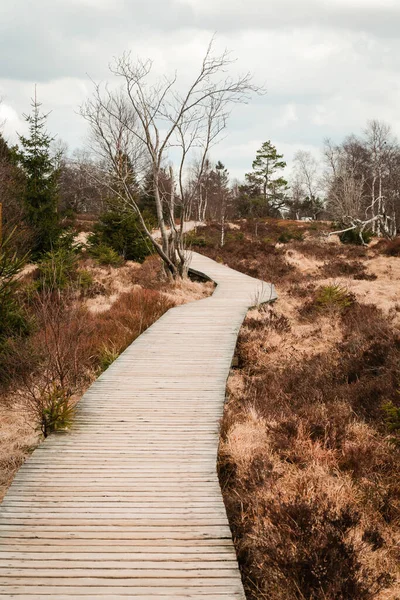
[144,121]
[80,184]
[358,178]
[48,387]
[307,169]
[380,144]
[306,185]
[201,184]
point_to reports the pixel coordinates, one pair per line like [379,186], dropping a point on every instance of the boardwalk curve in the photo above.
[127,504]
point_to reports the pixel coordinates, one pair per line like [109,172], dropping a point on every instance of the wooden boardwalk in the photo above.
[127,504]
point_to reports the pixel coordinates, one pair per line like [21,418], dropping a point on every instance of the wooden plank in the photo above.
[127,503]
[94,593]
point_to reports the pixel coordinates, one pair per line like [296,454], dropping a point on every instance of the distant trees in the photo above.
[304,200]
[79,185]
[363,181]
[151,146]
[146,119]
[202,183]
[213,196]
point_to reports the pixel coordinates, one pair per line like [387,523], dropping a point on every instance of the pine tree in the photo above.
[42,177]
[266,167]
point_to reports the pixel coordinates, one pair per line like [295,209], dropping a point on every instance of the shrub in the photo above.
[54,410]
[303,548]
[268,241]
[353,236]
[67,241]
[254,257]
[328,298]
[346,268]
[13,318]
[305,466]
[234,236]
[58,269]
[200,240]
[106,255]
[122,233]
[107,355]
[334,296]
[197,240]
[392,419]
[288,235]
[392,247]
[85,280]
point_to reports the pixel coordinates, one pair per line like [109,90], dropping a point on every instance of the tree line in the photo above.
[148,160]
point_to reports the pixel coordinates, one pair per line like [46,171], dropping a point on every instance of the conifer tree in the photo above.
[41,181]
[266,167]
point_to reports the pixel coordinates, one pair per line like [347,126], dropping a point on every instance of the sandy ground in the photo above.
[187,226]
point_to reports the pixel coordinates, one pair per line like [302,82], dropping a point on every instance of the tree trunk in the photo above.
[373,204]
[223,229]
[378,224]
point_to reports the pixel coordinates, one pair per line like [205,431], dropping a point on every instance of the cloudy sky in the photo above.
[328,65]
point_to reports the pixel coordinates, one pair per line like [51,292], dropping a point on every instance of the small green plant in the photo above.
[85,280]
[106,255]
[194,239]
[289,235]
[333,297]
[108,354]
[392,420]
[234,236]
[57,269]
[55,410]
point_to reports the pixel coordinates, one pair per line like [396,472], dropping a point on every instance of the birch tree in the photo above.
[380,144]
[306,186]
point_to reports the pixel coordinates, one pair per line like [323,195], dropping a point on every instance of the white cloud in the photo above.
[11,123]
[289,115]
[328,65]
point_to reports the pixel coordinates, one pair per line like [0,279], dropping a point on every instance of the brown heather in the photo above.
[307,463]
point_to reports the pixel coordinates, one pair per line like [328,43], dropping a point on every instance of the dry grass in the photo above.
[307,466]
[256,258]
[77,335]
[17,439]
[310,478]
